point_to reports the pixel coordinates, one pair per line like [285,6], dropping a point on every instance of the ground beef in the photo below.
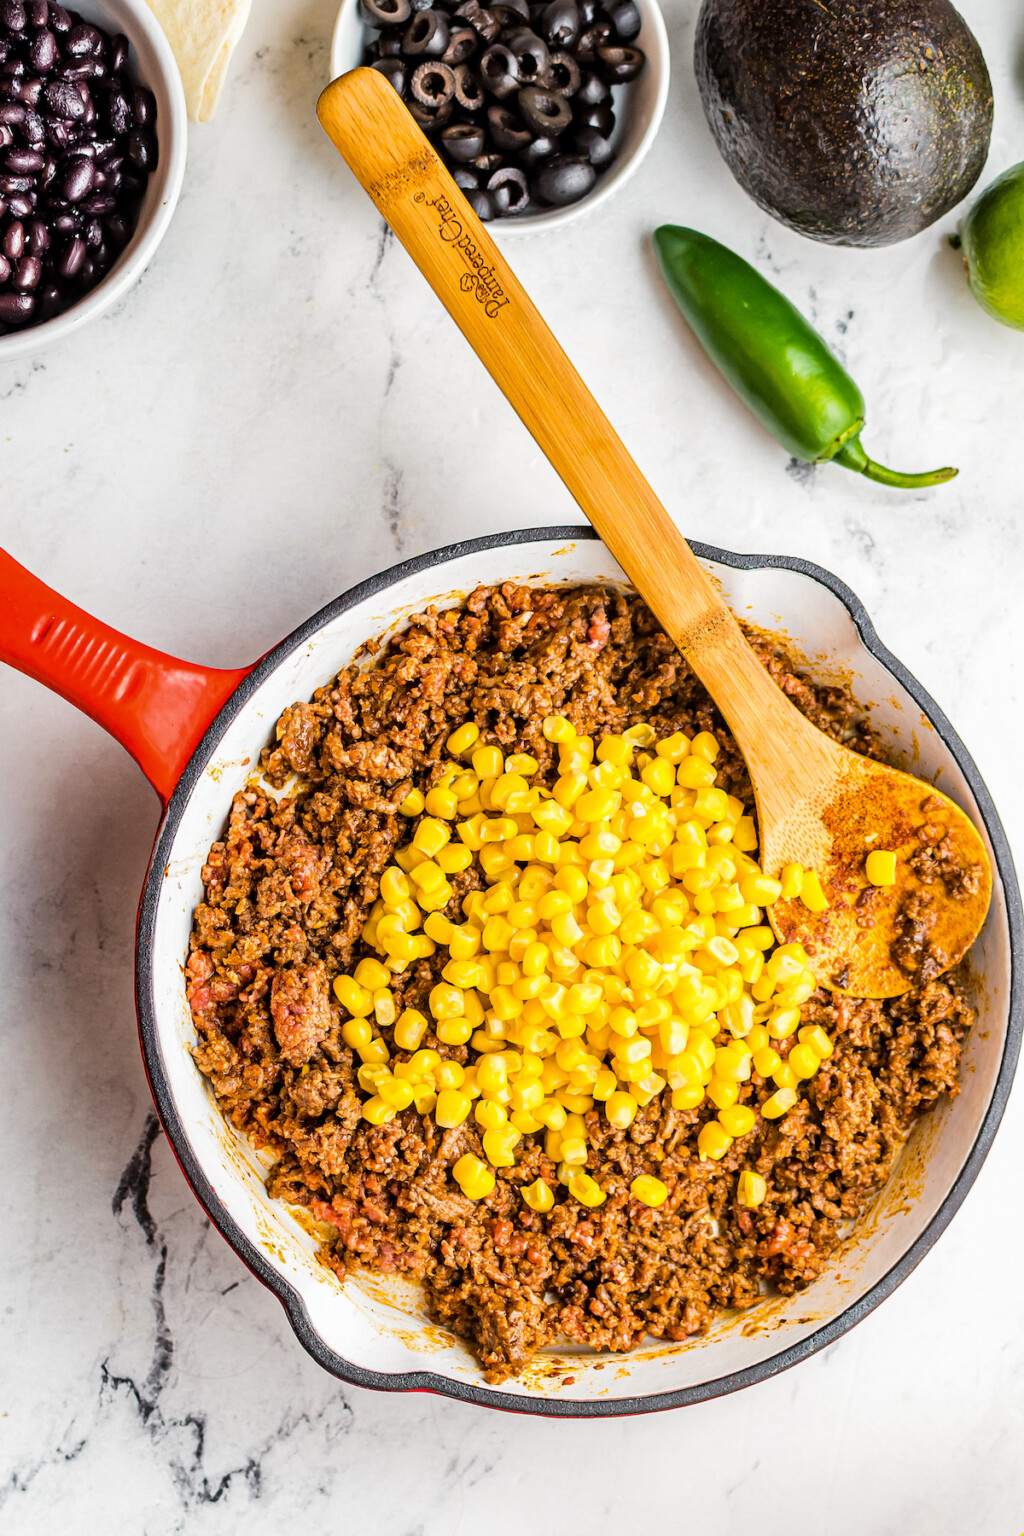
[286,895]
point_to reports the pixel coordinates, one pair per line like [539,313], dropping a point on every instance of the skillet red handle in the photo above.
[156,706]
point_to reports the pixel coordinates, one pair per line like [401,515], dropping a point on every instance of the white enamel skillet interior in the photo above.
[375,1332]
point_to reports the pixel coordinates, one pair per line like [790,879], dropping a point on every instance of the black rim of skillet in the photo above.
[256,1261]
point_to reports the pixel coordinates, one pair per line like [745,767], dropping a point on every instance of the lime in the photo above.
[993,247]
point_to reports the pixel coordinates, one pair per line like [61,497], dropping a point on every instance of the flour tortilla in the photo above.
[203,35]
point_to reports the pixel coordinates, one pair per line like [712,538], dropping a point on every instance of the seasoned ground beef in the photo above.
[286,896]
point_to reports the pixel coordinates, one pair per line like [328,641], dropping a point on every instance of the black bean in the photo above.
[119,47]
[562,74]
[118,229]
[86,69]
[51,301]
[12,15]
[43,52]
[29,91]
[593,146]
[15,183]
[462,142]
[620,65]
[119,114]
[12,112]
[427,35]
[65,100]
[81,41]
[481,203]
[60,19]
[66,223]
[508,132]
[5,269]
[433,84]
[16,308]
[32,128]
[19,205]
[100,203]
[563,180]
[93,234]
[6,135]
[393,70]
[545,113]
[70,262]
[38,12]
[23,161]
[37,237]
[143,107]
[499,71]
[142,149]
[27,274]
[509,190]
[76,178]
[60,135]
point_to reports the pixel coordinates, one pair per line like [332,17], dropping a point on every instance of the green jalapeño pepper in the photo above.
[771,356]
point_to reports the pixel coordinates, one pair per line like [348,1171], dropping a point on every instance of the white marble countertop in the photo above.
[281,393]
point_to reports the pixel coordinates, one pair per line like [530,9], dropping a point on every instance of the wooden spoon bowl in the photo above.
[818,804]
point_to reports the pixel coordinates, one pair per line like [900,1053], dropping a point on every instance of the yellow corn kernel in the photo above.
[566,929]
[499,1146]
[713,1141]
[412,805]
[430,836]
[737,1120]
[378,1111]
[695,772]
[649,1189]
[384,1008]
[766,1061]
[427,877]
[454,1031]
[497,934]
[356,1033]
[723,1092]
[759,891]
[441,801]
[571,881]
[396,1092]
[880,867]
[394,886]
[782,1022]
[784,1076]
[538,1196]
[473,1177]
[490,1115]
[462,738]
[811,893]
[448,1074]
[687,1098]
[558,728]
[488,762]
[660,776]
[408,857]
[552,1114]
[804,1061]
[552,817]
[791,880]
[586,1190]
[454,858]
[620,1109]
[602,952]
[751,1189]
[814,1036]
[779,1103]
[452,1107]
[371,974]
[352,996]
[744,835]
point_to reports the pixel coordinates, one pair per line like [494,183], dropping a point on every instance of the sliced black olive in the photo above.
[588,10]
[625,18]
[463,42]
[563,180]
[593,91]
[593,146]
[385,13]
[469,93]
[462,141]
[486,25]
[428,119]
[393,70]
[602,118]
[511,13]
[563,74]
[499,71]
[487,163]
[545,113]
[620,65]
[509,189]
[481,203]
[597,35]
[433,85]
[508,132]
[561,23]
[426,36]
[421,5]
[531,54]
[537,152]
[465,178]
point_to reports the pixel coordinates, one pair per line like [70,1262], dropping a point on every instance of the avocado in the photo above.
[858,122]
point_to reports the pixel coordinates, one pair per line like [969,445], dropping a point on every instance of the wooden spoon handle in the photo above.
[396,165]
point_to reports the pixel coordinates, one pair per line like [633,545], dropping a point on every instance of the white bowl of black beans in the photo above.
[540,110]
[93,134]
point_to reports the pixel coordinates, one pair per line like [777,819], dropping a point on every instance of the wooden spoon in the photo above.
[818,804]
